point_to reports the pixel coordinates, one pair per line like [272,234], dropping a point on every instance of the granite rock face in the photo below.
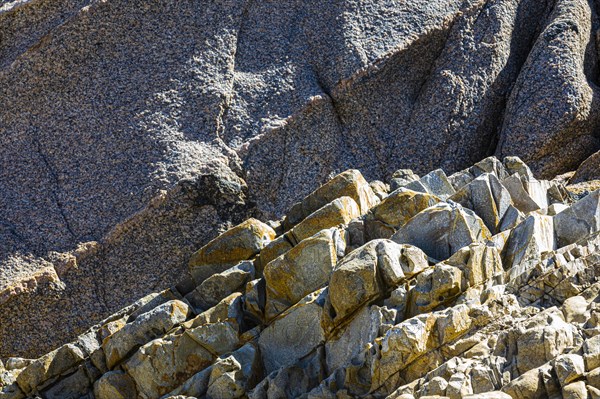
[513,315]
[133,133]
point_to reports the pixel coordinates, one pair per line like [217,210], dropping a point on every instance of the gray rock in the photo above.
[591,353]
[350,183]
[304,269]
[233,375]
[558,137]
[294,334]
[528,241]
[165,363]
[394,211]
[114,384]
[442,229]
[578,221]
[486,196]
[143,329]
[568,368]
[588,170]
[219,285]
[369,272]
[73,386]
[237,244]
[363,329]
[401,178]
[63,359]
[434,183]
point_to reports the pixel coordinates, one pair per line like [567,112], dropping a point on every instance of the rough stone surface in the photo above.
[302,270]
[237,244]
[442,229]
[120,127]
[342,315]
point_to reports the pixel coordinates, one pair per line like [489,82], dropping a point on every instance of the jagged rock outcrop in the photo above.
[132,133]
[339,314]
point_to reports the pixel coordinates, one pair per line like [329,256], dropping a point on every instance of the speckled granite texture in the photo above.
[146,128]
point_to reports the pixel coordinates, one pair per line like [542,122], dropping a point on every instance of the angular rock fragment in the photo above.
[219,285]
[50,365]
[143,329]
[395,210]
[294,334]
[233,375]
[528,241]
[486,196]
[442,229]
[115,385]
[401,345]
[274,249]
[591,353]
[434,183]
[369,272]
[229,310]
[163,364]
[302,270]
[578,221]
[401,178]
[435,286]
[568,368]
[239,243]
[338,212]
[368,324]
[350,183]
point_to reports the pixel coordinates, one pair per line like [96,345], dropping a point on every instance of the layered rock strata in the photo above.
[133,132]
[481,284]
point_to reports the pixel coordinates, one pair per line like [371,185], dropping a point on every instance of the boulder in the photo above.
[401,178]
[229,310]
[302,270]
[588,170]
[488,198]
[400,346]
[395,210]
[63,359]
[165,363]
[218,338]
[220,285]
[442,229]
[369,323]
[143,329]
[350,183]
[578,221]
[274,249]
[568,368]
[591,353]
[528,385]
[74,385]
[338,212]
[479,263]
[239,243]
[115,384]
[435,183]
[294,334]
[369,272]
[528,241]
[575,390]
[542,342]
[232,376]
[433,287]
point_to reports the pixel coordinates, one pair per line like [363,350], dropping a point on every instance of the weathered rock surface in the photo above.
[120,128]
[515,315]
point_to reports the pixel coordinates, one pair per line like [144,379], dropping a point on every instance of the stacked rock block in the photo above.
[482,284]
